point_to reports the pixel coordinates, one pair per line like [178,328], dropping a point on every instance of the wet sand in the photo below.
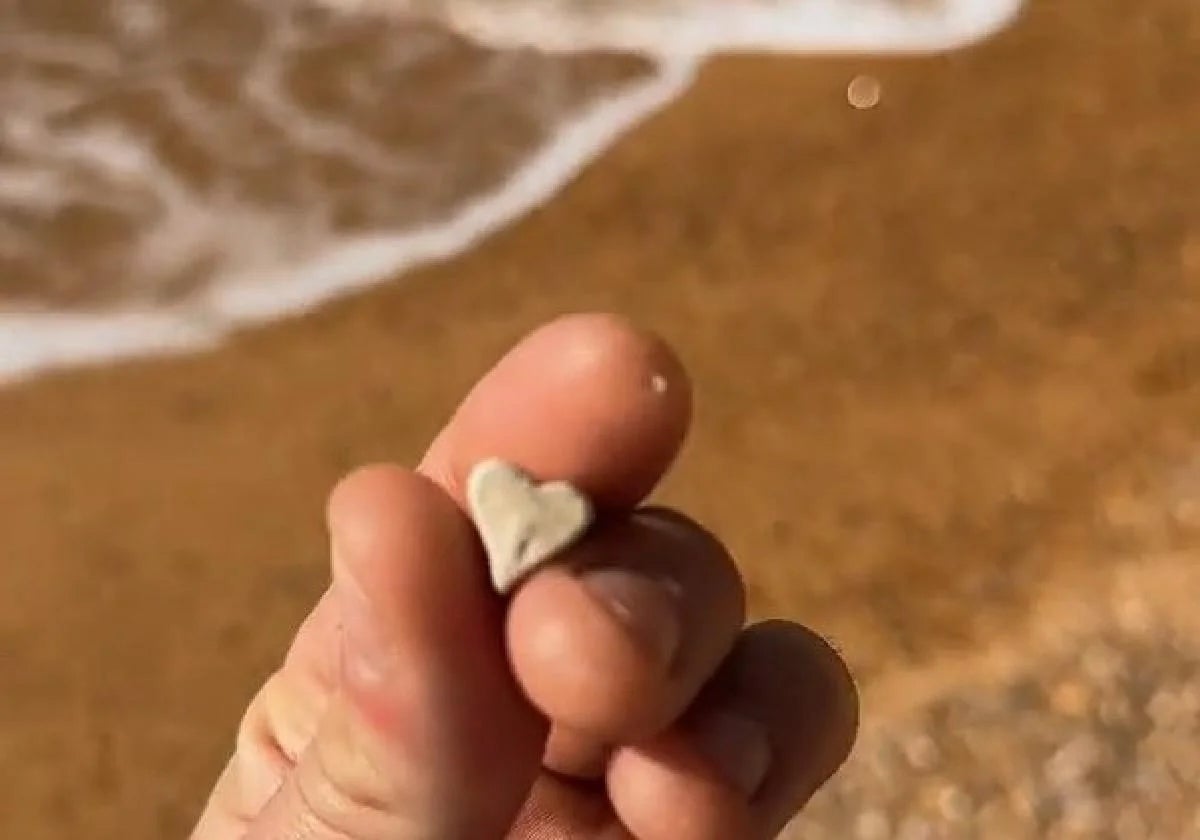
[946,349]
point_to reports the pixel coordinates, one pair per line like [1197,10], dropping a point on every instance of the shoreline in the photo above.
[61,318]
[948,361]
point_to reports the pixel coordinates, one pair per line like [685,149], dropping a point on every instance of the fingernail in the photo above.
[647,607]
[737,746]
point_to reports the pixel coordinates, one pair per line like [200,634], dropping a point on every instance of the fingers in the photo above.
[774,724]
[614,644]
[428,735]
[588,399]
[636,640]
[278,725]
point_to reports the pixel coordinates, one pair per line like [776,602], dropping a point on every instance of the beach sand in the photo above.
[945,350]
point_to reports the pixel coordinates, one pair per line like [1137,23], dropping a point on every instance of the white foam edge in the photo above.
[33,342]
[730,26]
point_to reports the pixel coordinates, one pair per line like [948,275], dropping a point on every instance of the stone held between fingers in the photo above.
[523,524]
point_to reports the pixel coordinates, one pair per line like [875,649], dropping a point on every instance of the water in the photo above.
[173,169]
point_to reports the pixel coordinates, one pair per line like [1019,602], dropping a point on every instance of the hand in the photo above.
[616,695]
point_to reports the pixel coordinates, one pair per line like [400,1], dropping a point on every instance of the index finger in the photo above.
[589,399]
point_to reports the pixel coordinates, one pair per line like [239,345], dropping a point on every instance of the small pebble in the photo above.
[1098,739]
[864,92]
[872,825]
[921,752]
[1074,762]
[953,804]
[1070,698]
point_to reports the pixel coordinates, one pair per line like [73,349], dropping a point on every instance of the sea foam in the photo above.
[93,192]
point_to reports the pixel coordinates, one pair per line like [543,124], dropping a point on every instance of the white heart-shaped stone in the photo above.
[523,524]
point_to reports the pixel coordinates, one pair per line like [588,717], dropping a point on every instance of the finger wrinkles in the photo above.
[344,795]
[279,725]
[343,788]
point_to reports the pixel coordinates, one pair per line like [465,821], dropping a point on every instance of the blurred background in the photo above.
[942,312]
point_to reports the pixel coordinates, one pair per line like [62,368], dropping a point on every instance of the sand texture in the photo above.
[947,350]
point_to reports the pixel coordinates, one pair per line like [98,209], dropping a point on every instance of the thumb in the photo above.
[425,733]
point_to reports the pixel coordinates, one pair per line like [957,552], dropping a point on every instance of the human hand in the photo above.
[615,696]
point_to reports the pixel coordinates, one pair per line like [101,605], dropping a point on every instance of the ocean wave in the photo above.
[170,172]
[705,27]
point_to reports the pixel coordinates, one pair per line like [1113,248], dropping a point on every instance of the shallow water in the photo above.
[169,171]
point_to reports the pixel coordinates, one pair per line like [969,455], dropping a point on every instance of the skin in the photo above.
[616,695]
